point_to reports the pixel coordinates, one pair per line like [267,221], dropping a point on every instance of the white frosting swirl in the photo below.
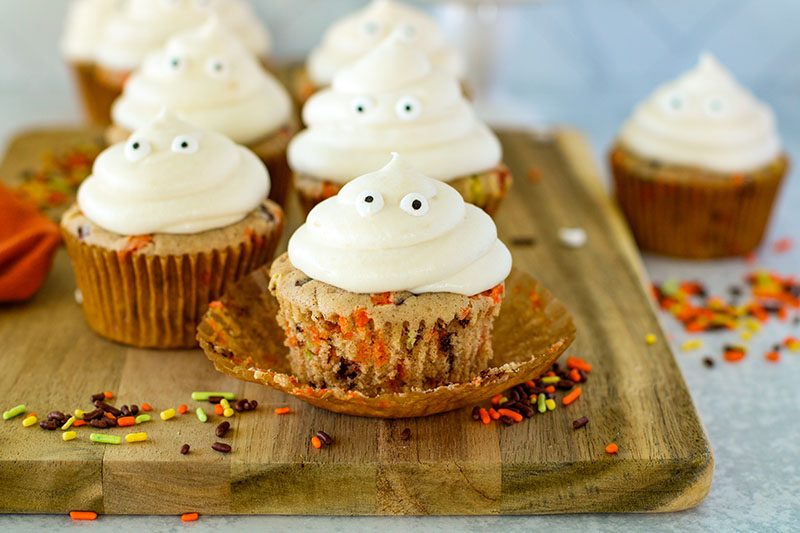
[392,99]
[353,36]
[705,119]
[143,26]
[398,230]
[211,80]
[84,25]
[171,177]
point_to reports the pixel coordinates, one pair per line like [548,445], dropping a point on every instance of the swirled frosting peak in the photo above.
[209,78]
[358,33]
[397,230]
[172,177]
[392,99]
[143,26]
[84,25]
[706,119]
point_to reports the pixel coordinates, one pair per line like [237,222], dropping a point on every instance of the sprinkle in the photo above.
[541,405]
[612,448]
[792,343]
[79,414]
[68,423]
[550,388]
[30,421]
[578,364]
[551,379]
[572,237]
[224,403]
[513,415]
[189,517]
[282,410]
[551,404]
[496,399]
[136,437]
[405,434]
[228,412]
[79,423]
[494,414]
[650,338]
[218,409]
[68,435]
[182,409]
[201,415]
[476,415]
[502,401]
[144,417]
[746,335]
[772,356]
[105,439]
[708,362]
[691,345]
[222,428]
[125,421]
[572,396]
[316,442]
[108,395]
[184,449]
[82,515]
[579,423]
[166,415]
[146,407]
[328,440]
[575,376]
[14,411]
[733,354]
[485,416]
[221,447]
[201,396]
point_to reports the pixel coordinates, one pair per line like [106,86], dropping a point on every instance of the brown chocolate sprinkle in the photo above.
[222,428]
[476,413]
[579,423]
[405,434]
[48,424]
[184,449]
[221,447]
[214,399]
[325,438]
[107,408]
[126,411]
[100,423]
[57,415]
[708,362]
[91,415]
[100,396]
[134,410]
[506,420]
[523,241]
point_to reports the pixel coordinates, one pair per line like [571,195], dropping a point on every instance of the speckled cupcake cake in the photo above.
[394,99]
[697,166]
[392,285]
[164,223]
[209,78]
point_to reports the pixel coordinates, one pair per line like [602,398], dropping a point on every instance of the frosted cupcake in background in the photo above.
[392,285]
[697,166]
[394,99]
[351,37]
[131,30]
[210,79]
[163,224]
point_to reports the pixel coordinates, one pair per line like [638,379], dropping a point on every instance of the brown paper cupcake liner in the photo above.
[242,337]
[686,212]
[156,301]
[95,97]
[485,189]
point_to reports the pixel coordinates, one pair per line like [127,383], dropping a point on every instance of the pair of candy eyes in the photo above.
[406,108]
[137,149]
[370,202]
[214,66]
[715,106]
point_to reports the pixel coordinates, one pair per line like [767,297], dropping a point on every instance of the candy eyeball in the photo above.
[674,103]
[369,202]
[136,149]
[408,108]
[175,64]
[715,106]
[414,204]
[217,67]
[185,144]
[361,105]
[371,28]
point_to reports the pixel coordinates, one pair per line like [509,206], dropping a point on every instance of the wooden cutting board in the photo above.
[451,465]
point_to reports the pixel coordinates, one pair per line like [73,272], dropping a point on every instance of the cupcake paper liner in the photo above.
[96,98]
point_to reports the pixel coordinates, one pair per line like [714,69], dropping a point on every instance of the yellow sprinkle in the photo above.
[650,338]
[79,414]
[691,345]
[136,437]
[29,421]
[166,415]
[224,403]
[752,324]
[551,379]
[69,435]
[68,423]
[793,345]
[228,412]
[746,335]
[551,404]
[502,400]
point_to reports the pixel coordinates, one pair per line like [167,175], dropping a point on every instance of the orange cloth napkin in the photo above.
[28,241]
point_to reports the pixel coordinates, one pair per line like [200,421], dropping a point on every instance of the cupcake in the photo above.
[210,79]
[353,36]
[395,99]
[391,285]
[697,166]
[163,224]
[140,27]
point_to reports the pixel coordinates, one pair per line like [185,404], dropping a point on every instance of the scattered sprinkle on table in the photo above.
[327,440]
[182,408]
[189,517]
[693,344]
[316,442]
[30,421]
[222,428]
[167,414]
[612,448]
[14,411]
[82,515]
[572,396]
[201,415]
[136,437]
[282,410]
[405,434]
[572,237]
[105,439]
[650,338]
[579,423]
[201,396]
[184,449]
[68,435]
[221,447]
[146,407]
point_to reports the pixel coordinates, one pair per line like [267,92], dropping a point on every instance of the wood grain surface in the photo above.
[451,465]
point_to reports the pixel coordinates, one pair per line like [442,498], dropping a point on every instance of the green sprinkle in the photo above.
[502,400]
[68,423]
[16,411]
[201,415]
[201,396]
[542,405]
[410,341]
[551,379]
[143,418]
[105,439]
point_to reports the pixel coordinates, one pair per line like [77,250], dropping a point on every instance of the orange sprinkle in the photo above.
[511,414]
[732,356]
[580,364]
[494,414]
[108,394]
[612,448]
[550,388]
[216,304]
[550,374]
[496,399]
[572,396]
[772,356]
[79,423]
[109,415]
[82,515]
[530,383]
[574,375]
[282,410]
[146,407]
[30,415]
[316,443]
[484,416]
[218,409]
[182,408]
[189,517]
[126,421]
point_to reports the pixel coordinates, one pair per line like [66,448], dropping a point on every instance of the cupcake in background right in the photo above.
[697,166]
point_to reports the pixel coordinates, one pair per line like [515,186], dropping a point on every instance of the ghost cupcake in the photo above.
[140,27]
[391,285]
[210,79]
[351,37]
[394,99]
[697,166]
[163,224]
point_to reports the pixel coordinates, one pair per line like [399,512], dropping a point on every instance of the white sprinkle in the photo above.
[572,237]
[78,297]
